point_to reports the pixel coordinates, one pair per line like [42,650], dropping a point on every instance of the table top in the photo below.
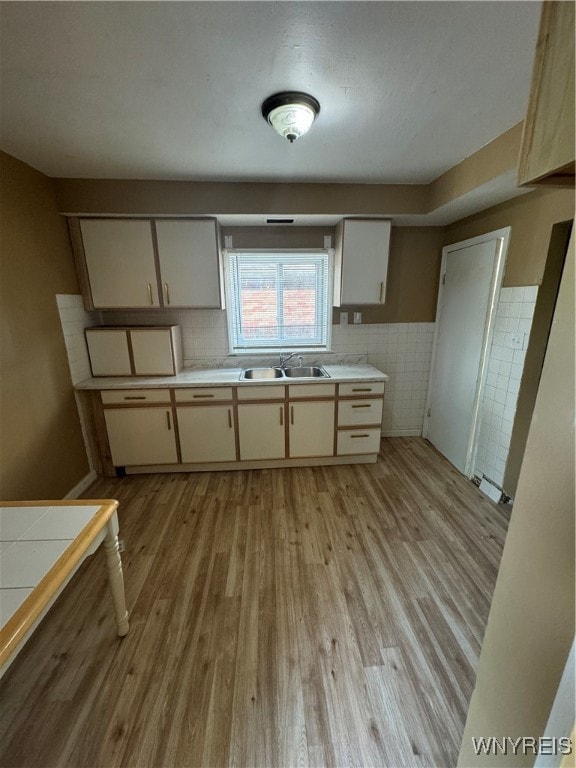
[41,543]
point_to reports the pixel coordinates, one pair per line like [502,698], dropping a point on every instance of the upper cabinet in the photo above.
[189,263]
[361,262]
[547,153]
[147,264]
[120,262]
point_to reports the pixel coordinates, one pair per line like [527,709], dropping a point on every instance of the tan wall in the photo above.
[531,622]
[413,268]
[198,198]
[41,446]
[531,217]
[277,236]
[494,159]
[413,275]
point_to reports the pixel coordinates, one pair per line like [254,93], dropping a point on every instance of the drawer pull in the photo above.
[361,389]
[202,395]
[364,405]
[167,292]
[150,299]
[168,421]
[229,418]
[134,397]
[366,435]
[281,416]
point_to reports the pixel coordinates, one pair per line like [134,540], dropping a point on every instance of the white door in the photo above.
[471,277]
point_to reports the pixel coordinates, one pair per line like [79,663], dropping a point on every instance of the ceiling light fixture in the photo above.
[290,113]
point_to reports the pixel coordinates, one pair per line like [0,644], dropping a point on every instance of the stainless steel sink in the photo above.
[261,374]
[306,372]
[264,374]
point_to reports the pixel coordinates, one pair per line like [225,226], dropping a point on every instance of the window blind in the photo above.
[278,300]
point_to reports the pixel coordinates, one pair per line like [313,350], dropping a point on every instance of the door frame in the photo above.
[502,236]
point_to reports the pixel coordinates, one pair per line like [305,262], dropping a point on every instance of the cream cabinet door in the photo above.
[311,429]
[261,431]
[152,352]
[141,436]
[108,351]
[120,262]
[189,263]
[362,262]
[207,433]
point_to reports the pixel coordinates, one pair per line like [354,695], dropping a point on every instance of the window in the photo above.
[278,300]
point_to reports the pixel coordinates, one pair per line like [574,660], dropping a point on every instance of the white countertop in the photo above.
[222,377]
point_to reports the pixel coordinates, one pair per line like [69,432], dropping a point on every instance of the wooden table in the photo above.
[42,544]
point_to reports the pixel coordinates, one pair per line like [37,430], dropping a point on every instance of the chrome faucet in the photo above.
[285,358]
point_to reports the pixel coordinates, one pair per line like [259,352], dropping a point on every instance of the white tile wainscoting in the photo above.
[505,367]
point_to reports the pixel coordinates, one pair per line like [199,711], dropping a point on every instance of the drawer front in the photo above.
[135,396]
[361,389]
[351,441]
[274,392]
[202,394]
[311,390]
[351,412]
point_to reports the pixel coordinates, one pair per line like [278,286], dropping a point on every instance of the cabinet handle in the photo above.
[291,414]
[352,436]
[202,396]
[366,405]
[168,421]
[134,397]
[281,416]
[167,292]
[381,292]
[361,389]
[229,418]
[150,299]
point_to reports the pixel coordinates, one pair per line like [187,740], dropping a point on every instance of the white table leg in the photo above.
[115,576]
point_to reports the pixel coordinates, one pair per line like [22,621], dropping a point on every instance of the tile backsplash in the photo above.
[401,350]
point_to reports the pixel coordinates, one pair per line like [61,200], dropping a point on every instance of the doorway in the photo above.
[471,276]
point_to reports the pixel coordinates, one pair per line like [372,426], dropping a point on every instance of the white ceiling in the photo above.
[172,90]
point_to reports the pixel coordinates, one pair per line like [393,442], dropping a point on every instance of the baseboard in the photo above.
[401,433]
[80,487]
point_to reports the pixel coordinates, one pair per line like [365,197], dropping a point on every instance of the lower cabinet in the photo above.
[206,433]
[261,430]
[311,429]
[226,425]
[141,436]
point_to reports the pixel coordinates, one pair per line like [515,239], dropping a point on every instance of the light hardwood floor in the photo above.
[327,616]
